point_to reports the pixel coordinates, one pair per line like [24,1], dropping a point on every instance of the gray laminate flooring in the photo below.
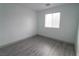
[38,46]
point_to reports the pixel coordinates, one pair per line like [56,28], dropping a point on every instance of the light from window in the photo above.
[52,20]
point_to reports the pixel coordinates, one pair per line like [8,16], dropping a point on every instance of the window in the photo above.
[52,20]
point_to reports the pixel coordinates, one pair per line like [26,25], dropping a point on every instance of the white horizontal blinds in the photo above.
[48,20]
[52,20]
[56,20]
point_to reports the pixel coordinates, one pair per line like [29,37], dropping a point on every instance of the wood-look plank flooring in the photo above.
[38,46]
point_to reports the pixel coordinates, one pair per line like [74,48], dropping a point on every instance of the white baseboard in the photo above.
[16,41]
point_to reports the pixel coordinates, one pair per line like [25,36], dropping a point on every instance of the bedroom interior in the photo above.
[39,29]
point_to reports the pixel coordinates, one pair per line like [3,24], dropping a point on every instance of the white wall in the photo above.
[16,23]
[68,25]
[77,35]
[77,43]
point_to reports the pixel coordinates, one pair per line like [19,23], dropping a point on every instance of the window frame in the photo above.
[53,26]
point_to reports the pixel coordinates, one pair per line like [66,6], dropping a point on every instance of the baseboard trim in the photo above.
[55,39]
[16,41]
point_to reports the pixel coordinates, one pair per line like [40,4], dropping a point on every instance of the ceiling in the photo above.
[39,6]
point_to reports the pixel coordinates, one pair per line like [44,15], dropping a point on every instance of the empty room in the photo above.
[39,29]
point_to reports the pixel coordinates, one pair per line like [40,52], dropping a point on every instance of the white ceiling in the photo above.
[39,6]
